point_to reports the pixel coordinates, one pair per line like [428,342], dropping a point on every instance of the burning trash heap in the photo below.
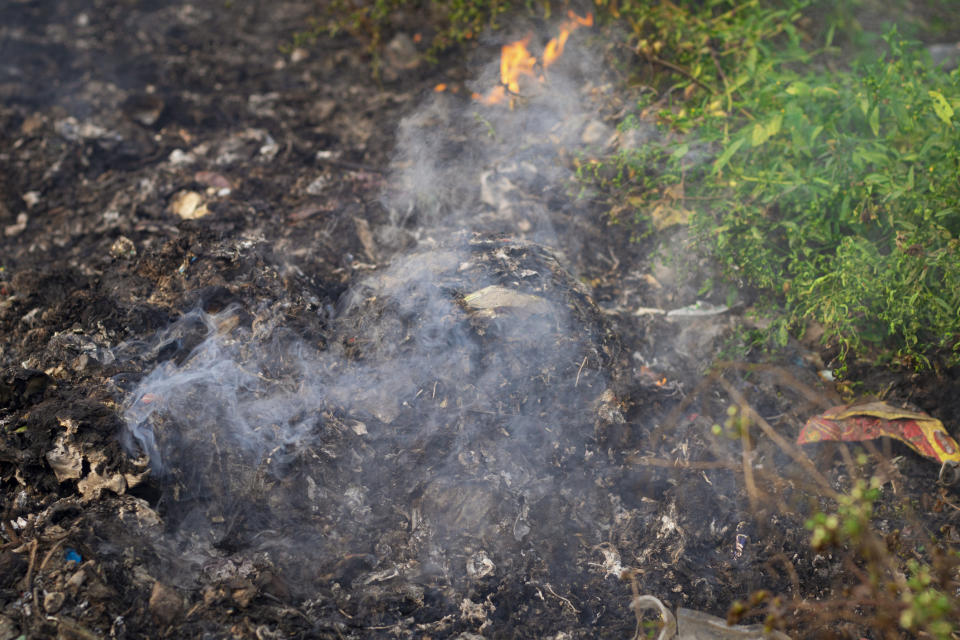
[442,435]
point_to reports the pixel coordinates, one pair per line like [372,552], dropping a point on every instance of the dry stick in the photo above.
[782,442]
[812,395]
[561,598]
[635,590]
[752,493]
[49,555]
[791,570]
[708,465]
[33,559]
[884,460]
[678,69]
[577,383]
[697,465]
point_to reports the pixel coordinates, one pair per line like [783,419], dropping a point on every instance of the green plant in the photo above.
[833,194]
[924,605]
[449,22]
[851,520]
[922,602]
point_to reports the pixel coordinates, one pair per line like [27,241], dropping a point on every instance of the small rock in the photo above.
[946,54]
[76,581]
[188,205]
[637,137]
[31,198]
[18,228]
[298,55]
[123,247]
[401,55]
[31,124]
[52,601]
[144,108]
[316,187]
[594,133]
[320,110]
[180,157]
[165,603]
[8,630]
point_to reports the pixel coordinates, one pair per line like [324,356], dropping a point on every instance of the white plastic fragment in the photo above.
[698,309]
[690,624]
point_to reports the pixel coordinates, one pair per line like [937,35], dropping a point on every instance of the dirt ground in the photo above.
[289,352]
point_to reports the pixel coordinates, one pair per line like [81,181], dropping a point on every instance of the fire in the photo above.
[517,63]
[554,48]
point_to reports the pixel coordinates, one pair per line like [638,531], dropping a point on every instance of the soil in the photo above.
[288,351]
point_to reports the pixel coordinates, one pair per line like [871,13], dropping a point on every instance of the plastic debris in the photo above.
[689,624]
[855,423]
[493,297]
[71,555]
[698,309]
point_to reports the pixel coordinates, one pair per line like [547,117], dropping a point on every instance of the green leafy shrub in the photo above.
[448,21]
[833,193]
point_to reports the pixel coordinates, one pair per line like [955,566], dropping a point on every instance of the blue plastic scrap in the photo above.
[71,555]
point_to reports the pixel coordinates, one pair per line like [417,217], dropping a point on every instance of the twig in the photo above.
[565,600]
[698,465]
[782,442]
[678,69]
[786,378]
[745,449]
[33,559]
[49,555]
[791,570]
[577,382]
[716,63]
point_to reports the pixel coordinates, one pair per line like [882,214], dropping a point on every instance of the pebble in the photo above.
[189,205]
[595,133]
[52,601]
[181,157]
[18,228]
[31,198]
[299,55]
[123,247]
[402,52]
[165,603]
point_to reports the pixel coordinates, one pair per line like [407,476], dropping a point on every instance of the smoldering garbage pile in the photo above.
[437,452]
[461,389]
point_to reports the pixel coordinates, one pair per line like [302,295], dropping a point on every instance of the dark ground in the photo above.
[353,442]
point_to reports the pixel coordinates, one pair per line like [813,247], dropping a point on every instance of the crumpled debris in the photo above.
[689,624]
[165,604]
[93,485]
[493,297]
[854,423]
[188,205]
[698,309]
[67,457]
[66,460]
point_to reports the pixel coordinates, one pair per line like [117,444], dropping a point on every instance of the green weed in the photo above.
[833,193]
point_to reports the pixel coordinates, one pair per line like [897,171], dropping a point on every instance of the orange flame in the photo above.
[554,48]
[516,61]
